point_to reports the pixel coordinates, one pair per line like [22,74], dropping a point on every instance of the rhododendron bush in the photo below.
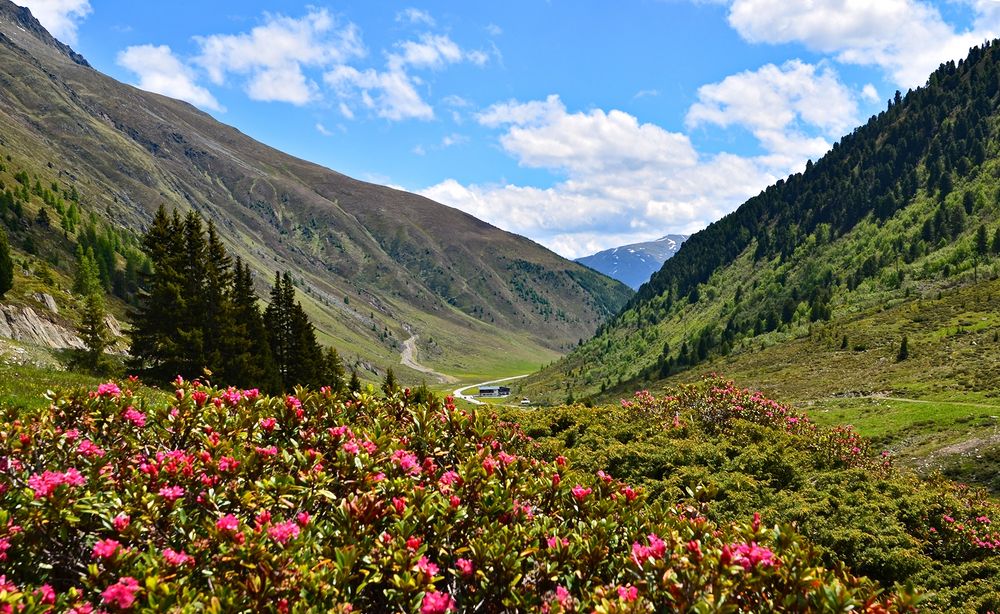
[732,452]
[227,500]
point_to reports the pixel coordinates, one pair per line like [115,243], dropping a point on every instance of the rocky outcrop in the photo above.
[22,323]
[47,300]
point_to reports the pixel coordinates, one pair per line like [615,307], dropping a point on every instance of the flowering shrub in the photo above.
[728,452]
[227,500]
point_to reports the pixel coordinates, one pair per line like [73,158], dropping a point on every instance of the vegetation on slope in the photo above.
[373,265]
[731,452]
[900,212]
[227,500]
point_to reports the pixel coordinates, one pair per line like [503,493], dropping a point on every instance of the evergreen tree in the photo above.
[982,249]
[355,384]
[95,334]
[389,385]
[87,280]
[292,337]
[248,354]
[6,265]
[995,246]
[904,350]
[156,351]
[333,370]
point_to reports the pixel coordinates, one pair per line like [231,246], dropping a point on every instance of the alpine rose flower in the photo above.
[437,603]
[121,594]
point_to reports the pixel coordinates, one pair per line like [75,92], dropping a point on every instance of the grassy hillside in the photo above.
[373,265]
[891,234]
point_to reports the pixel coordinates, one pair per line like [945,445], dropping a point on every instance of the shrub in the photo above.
[227,500]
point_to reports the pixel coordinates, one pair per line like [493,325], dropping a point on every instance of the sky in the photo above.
[581,124]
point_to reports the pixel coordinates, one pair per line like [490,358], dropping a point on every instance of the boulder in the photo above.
[22,323]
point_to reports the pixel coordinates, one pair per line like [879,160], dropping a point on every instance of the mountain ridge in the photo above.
[633,264]
[415,262]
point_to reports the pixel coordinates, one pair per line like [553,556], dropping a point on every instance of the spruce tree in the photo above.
[248,355]
[6,265]
[87,280]
[355,384]
[334,373]
[904,350]
[94,333]
[389,385]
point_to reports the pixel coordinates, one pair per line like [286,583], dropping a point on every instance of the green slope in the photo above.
[877,240]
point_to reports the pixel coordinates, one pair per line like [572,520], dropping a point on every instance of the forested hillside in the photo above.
[903,209]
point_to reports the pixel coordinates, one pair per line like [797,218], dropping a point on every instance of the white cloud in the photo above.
[415,16]
[782,107]
[273,55]
[623,180]
[646,94]
[450,140]
[323,129]
[160,71]
[494,30]
[869,93]
[60,17]
[906,38]
[392,94]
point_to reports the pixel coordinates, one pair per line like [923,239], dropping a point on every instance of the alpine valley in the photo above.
[232,380]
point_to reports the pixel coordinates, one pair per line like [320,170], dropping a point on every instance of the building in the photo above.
[494,391]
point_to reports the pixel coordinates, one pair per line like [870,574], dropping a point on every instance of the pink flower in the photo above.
[121,522]
[489,465]
[506,459]
[604,477]
[172,493]
[268,451]
[426,567]
[407,461]
[561,461]
[228,523]
[228,463]
[71,434]
[283,532]
[106,549]
[414,542]
[350,447]
[449,478]
[556,479]
[177,559]
[109,389]
[199,397]
[464,566]
[751,555]
[628,594]
[580,492]
[46,483]
[454,501]
[47,594]
[135,416]
[302,518]
[437,603]
[268,424]
[122,593]
[89,449]
[630,495]
[399,504]
[563,596]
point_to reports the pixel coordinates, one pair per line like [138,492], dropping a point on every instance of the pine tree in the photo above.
[355,384]
[155,350]
[87,280]
[904,350]
[982,249]
[389,385]
[248,354]
[333,370]
[995,246]
[6,265]
[95,334]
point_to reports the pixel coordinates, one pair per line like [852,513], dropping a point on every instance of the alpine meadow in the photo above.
[611,308]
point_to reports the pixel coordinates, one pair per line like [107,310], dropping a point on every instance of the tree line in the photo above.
[197,312]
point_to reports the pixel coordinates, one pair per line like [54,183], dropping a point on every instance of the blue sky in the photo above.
[580,124]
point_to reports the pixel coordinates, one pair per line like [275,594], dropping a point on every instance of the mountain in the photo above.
[373,265]
[810,288]
[634,264]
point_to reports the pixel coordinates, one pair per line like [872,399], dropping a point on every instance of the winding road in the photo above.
[408,357]
[459,393]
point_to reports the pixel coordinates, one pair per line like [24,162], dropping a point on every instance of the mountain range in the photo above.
[374,266]
[634,264]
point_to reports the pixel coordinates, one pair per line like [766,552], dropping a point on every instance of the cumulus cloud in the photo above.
[60,17]
[392,93]
[272,57]
[622,180]
[906,38]
[782,107]
[160,71]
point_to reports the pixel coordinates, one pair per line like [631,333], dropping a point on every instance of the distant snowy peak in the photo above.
[634,264]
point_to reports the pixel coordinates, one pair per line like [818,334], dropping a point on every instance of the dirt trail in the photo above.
[408,357]
[460,392]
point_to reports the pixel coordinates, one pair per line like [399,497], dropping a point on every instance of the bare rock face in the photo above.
[25,325]
[47,300]
[113,326]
